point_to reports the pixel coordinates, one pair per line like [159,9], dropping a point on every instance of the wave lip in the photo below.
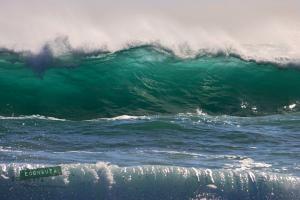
[106,181]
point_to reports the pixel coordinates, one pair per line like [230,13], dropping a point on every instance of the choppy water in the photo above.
[144,124]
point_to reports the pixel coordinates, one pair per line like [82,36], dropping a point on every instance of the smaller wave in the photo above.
[106,181]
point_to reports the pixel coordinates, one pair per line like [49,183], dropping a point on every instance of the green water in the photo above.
[142,81]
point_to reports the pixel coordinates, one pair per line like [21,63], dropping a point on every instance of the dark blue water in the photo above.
[215,153]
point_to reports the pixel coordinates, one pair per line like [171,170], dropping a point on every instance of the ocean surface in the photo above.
[143,123]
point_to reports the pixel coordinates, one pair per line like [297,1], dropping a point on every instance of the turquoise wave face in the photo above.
[142,81]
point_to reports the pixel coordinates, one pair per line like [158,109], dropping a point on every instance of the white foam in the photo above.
[9,149]
[292,106]
[121,117]
[127,117]
[179,152]
[249,163]
[80,152]
[31,117]
[212,186]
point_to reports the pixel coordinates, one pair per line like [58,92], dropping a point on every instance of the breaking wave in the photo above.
[144,80]
[106,181]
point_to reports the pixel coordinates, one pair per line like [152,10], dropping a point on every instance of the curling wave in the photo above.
[144,80]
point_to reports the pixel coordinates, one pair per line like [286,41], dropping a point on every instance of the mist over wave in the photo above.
[260,30]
